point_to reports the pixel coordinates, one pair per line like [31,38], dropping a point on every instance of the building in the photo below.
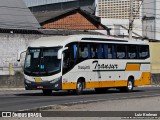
[67,15]
[150,19]
[117,9]
[16,15]
[115,14]
[18,27]
[74,19]
[59,5]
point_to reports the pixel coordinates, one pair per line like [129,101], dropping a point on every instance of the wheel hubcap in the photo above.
[130,85]
[79,86]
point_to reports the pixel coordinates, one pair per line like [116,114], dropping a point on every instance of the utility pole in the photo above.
[131,19]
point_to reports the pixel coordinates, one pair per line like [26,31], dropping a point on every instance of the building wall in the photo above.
[119,9]
[157,20]
[9,47]
[116,30]
[73,22]
[149,23]
[116,12]
[155,57]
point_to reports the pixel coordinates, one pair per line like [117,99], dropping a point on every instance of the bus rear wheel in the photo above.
[47,92]
[79,87]
[129,87]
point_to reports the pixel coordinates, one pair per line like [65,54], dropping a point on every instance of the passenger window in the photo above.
[132,52]
[106,51]
[96,51]
[93,52]
[84,51]
[99,51]
[143,51]
[121,52]
[110,51]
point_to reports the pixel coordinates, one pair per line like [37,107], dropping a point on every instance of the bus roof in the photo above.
[63,40]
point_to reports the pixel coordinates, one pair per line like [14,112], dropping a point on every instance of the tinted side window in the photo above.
[132,51]
[143,51]
[84,51]
[121,52]
[109,51]
[96,51]
[105,51]
[99,51]
[93,51]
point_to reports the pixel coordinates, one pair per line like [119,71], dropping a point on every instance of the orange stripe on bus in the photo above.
[133,67]
[144,80]
[69,86]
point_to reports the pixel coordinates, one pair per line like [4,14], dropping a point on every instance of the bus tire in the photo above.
[129,87]
[47,92]
[79,87]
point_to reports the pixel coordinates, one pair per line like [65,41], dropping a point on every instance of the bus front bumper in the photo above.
[54,85]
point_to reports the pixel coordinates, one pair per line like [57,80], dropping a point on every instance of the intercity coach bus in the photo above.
[79,62]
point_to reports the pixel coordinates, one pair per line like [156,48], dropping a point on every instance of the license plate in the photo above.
[39,87]
[38,79]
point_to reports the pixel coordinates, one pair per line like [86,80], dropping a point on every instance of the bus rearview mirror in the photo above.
[60,52]
[19,55]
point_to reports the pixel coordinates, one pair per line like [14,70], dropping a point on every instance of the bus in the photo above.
[78,62]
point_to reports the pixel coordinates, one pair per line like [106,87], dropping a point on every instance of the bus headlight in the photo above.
[55,80]
[27,81]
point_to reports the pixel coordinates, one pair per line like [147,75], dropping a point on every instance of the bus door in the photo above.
[69,61]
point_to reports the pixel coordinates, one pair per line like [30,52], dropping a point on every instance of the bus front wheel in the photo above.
[79,87]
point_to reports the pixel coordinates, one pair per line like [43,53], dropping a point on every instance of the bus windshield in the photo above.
[42,61]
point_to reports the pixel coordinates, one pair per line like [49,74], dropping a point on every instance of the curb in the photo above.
[150,86]
[13,89]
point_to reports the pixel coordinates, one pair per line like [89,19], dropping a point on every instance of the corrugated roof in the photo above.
[14,14]
[31,3]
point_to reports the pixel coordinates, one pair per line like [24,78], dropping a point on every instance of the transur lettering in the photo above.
[104,66]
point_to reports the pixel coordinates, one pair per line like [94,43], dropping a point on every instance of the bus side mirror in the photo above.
[19,55]
[59,56]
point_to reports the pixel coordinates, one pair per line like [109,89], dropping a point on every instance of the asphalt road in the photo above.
[22,100]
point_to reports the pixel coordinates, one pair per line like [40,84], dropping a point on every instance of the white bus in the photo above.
[79,62]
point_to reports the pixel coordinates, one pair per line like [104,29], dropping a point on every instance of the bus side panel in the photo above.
[69,80]
[141,75]
[144,79]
